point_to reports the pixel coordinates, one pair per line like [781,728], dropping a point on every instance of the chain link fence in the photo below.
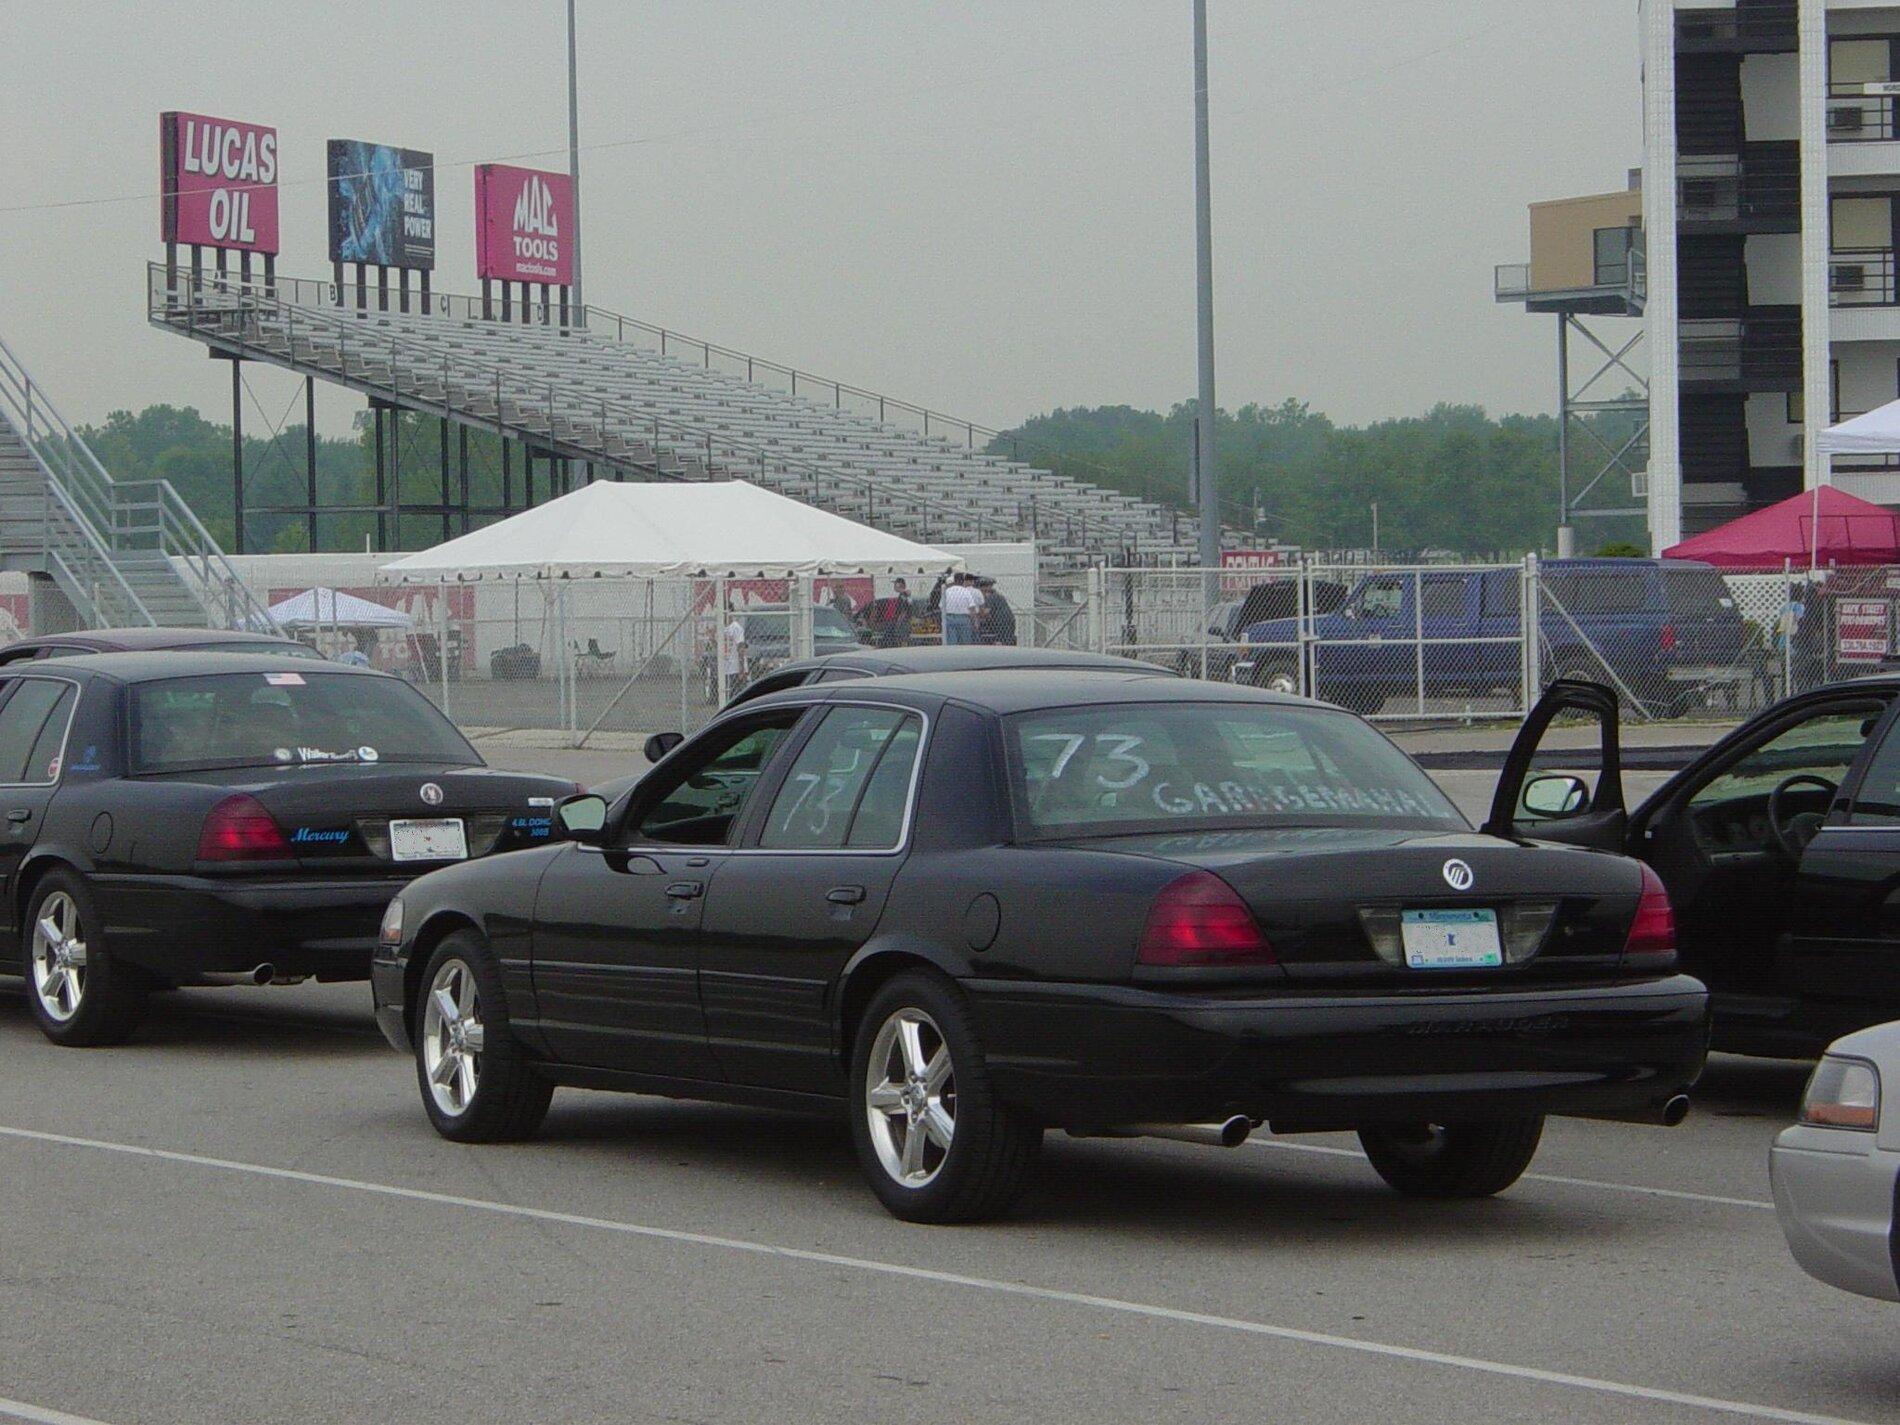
[583,659]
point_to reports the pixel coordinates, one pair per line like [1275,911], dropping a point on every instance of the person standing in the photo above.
[999,619]
[733,653]
[961,602]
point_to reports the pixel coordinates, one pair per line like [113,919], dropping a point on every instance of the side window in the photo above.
[1444,598]
[1382,598]
[841,675]
[879,824]
[822,791]
[32,727]
[1878,801]
[1824,745]
[698,802]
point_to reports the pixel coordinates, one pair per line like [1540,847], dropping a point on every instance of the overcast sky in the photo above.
[983,205]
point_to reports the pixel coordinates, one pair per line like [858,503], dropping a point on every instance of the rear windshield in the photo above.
[1165,766]
[276,650]
[282,719]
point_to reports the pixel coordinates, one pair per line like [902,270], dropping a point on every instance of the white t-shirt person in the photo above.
[732,647]
[962,599]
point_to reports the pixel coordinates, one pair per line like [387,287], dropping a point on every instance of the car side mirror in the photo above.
[1554,797]
[662,743]
[583,818]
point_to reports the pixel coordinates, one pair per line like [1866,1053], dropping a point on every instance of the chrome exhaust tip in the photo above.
[1229,1134]
[1667,1114]
[256,975]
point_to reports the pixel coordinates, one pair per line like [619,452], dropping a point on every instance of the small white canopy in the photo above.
[328,608]
[720,529]
[1876,433]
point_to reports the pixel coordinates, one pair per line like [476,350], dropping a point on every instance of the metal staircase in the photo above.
[596,390]
[126,553]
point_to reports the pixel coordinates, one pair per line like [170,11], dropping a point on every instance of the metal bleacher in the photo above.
[605,389]
[125,553]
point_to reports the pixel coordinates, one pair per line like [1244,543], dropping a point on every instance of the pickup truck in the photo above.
[1663,632]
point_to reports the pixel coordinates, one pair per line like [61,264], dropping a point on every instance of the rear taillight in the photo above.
[1200,920]
[1667,641]
[239,829]
[1652,937]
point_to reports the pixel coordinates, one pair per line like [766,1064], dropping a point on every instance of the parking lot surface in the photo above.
[243,1216]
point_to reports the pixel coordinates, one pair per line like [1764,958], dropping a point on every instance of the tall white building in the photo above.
[1771,216]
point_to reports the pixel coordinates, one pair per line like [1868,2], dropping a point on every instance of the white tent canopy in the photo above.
[722,529]
[320,607]
[1876,433]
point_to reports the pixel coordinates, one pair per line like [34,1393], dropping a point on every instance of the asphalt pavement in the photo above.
[243,1216]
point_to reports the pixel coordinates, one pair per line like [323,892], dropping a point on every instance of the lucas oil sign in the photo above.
[218,179]
[524,225]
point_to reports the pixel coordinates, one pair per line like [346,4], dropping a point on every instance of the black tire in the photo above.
[1453,1160]
[510,1096]
[110,998]
[992,1147]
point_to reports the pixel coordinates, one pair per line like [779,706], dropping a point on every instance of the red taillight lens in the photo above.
[1652,937]
[239,829]
[1668,639]
[1200,920]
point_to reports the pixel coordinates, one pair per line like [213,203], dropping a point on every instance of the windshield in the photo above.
[826,622]
[1169,766]
[280,719]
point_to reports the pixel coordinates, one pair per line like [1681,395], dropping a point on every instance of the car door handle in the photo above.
[845,895]
[19,815]
[686,890]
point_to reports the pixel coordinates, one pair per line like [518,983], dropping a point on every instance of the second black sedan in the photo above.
[187,818]
[969,907]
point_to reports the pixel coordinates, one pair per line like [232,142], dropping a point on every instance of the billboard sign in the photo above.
[382,204]
[524,225]
[1862,629]
[218,181]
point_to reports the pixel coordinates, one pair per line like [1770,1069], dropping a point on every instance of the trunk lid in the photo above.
[337,815]
[1332,901]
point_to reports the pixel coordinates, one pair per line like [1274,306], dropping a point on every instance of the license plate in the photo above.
[1450,939]
[440,838]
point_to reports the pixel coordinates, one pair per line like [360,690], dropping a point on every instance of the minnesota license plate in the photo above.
[1450,939]
[441,838]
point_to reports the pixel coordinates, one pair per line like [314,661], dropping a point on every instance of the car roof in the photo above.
[131,639]
[1013,690]
[967,657]
[152,666]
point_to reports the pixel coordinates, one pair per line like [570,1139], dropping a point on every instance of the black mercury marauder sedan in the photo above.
[207,818]
[1779,847]
[970,906]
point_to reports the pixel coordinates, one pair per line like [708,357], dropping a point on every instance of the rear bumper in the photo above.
[185,927]
[1092,1056]
[1835,1196]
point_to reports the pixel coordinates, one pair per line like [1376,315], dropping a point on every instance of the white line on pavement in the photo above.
[894,1269]
[36,1415]
[1675,1193]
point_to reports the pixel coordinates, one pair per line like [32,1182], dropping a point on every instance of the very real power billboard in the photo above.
[382,204]
[218,178]
[524,225]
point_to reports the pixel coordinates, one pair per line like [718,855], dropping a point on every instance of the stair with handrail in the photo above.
[127,554]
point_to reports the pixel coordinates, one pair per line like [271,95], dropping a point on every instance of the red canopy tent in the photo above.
[1852,531]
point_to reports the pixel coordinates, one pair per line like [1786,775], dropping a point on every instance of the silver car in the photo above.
[1836,1172]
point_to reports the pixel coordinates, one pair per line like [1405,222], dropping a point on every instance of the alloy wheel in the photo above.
[59,957]
[452,1037]
[910,1098]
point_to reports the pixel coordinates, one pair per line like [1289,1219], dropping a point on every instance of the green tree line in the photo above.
[1455,478]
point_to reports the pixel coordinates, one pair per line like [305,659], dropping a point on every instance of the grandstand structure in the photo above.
[122,553]
[621,399]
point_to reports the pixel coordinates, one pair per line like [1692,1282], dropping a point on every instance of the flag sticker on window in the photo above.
[284,680]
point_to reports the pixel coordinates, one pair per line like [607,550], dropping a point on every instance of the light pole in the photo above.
[1208,484]
[574,151]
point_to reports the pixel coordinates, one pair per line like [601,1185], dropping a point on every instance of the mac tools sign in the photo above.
[219,182]
[524,225]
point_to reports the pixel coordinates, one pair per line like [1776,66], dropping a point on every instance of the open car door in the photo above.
[1560,806]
